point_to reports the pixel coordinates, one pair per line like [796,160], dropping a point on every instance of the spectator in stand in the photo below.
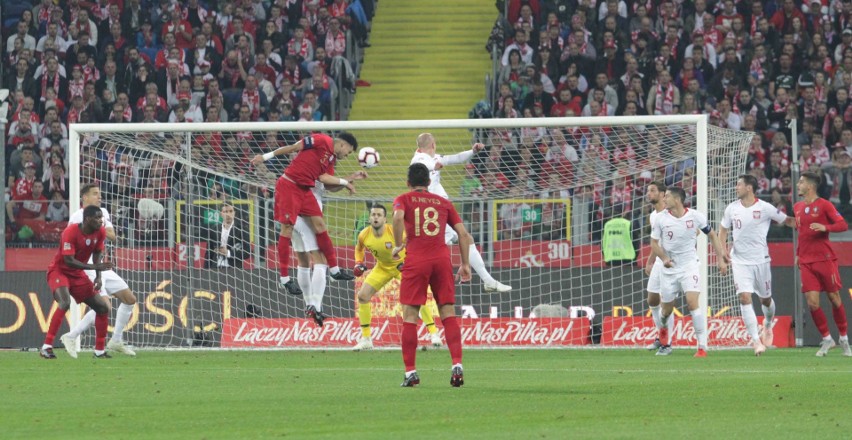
[26,208]
[335,39]
[665,98]
[57,209]
[21,79]
[520,44]
[19,160]
[27,40]
[839,170]
[538,96]
[508,110]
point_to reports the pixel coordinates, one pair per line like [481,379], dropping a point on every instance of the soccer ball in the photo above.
[368,157]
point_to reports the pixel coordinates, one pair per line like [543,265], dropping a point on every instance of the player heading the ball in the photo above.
[317,152]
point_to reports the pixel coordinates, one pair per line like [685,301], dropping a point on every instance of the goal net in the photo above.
[537,201]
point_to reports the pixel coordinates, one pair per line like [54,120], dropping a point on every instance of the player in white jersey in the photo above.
[112,285]
[425,154]
[674,240]
[749,219]
[655,193]
[305,245]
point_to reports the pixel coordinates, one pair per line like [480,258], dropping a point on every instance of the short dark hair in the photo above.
[749,180]
[677,192]
[418,175]
[227,203]
[380,206]
[91,211]
[661,187]
[349,138]
[813,178]
[86,188]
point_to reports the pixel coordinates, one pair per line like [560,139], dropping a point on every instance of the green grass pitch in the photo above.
[516,394]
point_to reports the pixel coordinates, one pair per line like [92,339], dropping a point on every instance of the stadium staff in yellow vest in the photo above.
[617,243]
[378,239]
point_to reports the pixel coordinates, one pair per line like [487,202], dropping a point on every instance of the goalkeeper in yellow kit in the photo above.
[378,239]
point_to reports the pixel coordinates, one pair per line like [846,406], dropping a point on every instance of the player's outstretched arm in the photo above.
[836,222]
[462,157]
[280,151]
[73,263]
[328,179]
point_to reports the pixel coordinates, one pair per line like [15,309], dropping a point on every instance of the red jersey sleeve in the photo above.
[399,203]
[68,246]
[317,140]
[836,222]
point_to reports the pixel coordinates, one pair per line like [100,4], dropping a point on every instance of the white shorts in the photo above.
[450,235]
[112,283]
[304,239]
[654,278]
[672,285]
[753,278]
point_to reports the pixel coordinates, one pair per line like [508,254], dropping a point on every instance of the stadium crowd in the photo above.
[119,61]
[749,65]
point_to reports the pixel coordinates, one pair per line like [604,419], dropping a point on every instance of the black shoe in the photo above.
[47,353]
[292,288]
[316,315]
[457,379]
[105,355]
[411,380]
[342,276]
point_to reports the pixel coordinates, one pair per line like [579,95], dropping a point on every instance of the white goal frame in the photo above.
[700,122]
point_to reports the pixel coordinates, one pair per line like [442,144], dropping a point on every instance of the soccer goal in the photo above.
[537,201]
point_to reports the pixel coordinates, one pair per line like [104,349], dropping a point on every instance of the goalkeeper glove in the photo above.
[359,269]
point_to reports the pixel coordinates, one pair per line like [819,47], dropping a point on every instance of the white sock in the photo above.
[84,324]
[670,326]
[122,317]
[318,282]
[768,313]
[844,338]
[334,270]
[655,313]
[828,338]
[699,323]
[409,373]
[750,320]
[284,280]
[457,365]
[478,265]
[45,346]
[303,277]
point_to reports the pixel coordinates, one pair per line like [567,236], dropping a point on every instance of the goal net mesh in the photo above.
[536,201]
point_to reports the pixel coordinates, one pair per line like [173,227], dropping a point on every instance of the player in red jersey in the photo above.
[423,217]
[67,280]
[317,153]
[815,218]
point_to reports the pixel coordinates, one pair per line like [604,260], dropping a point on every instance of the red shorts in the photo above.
[416,277]
[81,288]
[820,276]
[293,200]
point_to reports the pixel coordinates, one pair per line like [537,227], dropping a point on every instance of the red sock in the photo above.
[820,321]
[409,345]
[664,336]
[283,256]
[452,333]
[101,321]
[55,323]
[327,248]
[840,319]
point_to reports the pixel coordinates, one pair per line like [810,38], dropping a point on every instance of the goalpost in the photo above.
[535,212]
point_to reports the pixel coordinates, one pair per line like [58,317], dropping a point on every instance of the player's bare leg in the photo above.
[101,308]
[327,248]
[839,314]
[62,296]
[699,323]
[122,317]
[478,265]
[452,332]
[768,307]
[821,323]
[750,320]
[284,242]
[409,344]
[365,316]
